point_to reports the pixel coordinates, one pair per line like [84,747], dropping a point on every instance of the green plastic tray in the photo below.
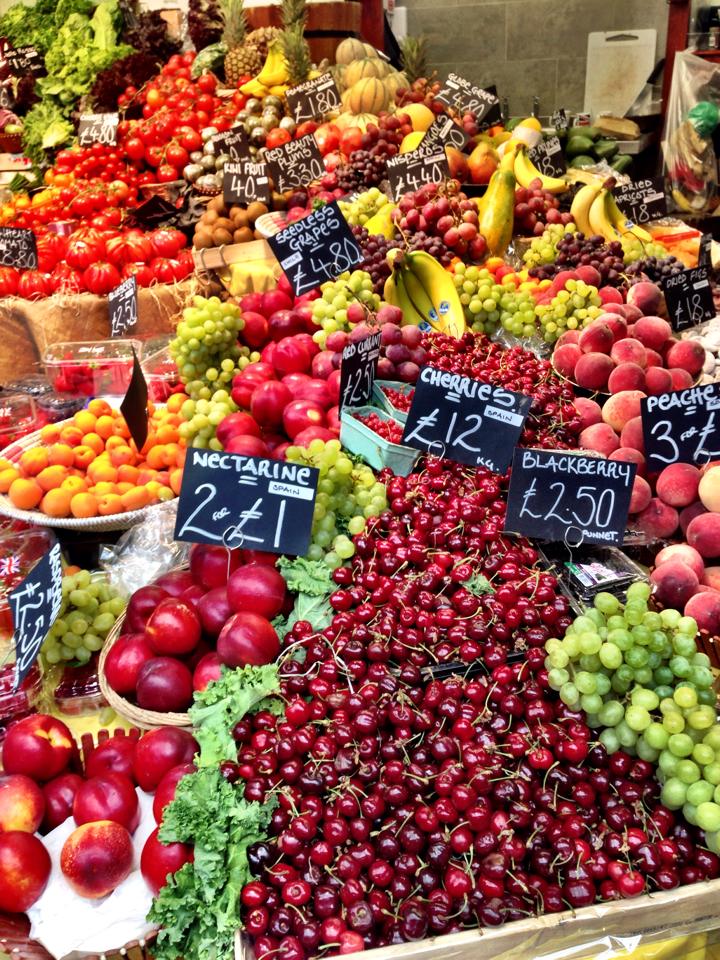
[374,449]
[384,402]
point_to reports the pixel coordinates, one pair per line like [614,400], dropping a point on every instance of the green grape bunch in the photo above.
[572,308]
[357,212]
[90,607]
[543,249]
[488,305]
[205,347]
[347,495]
[330,311]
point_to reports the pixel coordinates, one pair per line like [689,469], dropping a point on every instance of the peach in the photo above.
[688,355]
[599,437]
[632,312]
[615,307]
[565,358]
[711,578]
[610,295]
[685,554]
[96,858]
[588,410]
[657,380]
[592,371]
[641,495]
[630,455]
[629,350]
[632,435]
[657,520]
[689,513]
[616,324]
[709,489]
[588,274]
[703,533]
[652,331]
[627,376]
[677,484]
[22,804]
[704,608]
[674,583]
[570,336]
[654,359]
[647,297]
[596,338]
[622,407]
[681,379]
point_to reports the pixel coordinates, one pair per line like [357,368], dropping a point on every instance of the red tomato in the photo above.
[277,137]
[205,102]
[33,285]
[350,139]
[176,155]
[309,126]
[101,277]
[154,155]
[167,241]
[141,271]
[8,281]
[155,98]
[81,252]
[133,247]
[327,137]
[119,189]
[166,173]
[166,270]
[206,82]
[190,139]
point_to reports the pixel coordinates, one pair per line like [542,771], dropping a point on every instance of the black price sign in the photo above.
[249,502]
[18,248]
[642,201]
[681,426]
[295,164]
[245,181]
[7,99]
[317,248]
[549,158]
[463,419]
[123,308]
[134,405]
[35,604]
[98,128]
[233,142]
[23,60]
[314,98]
[705,251]
[442,132]
[467,98]
[357,371]
[688,298]
[555,495]
[409,171]
[559,120]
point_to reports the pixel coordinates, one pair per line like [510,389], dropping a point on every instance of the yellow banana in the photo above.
[526,171]
[580,207]
[274,69]
[599,220]
[381,223]
[447,316]
[253,88]
[279,89]
[621,222]
[417,294]
[496,216]
[395,293]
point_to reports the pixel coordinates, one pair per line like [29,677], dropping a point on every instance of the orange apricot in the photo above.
[166,433]
[33,461]
[112,443]
[175,402]
[104,426]
[102,471]
[136,498]
[95,441]
[25,494]
[127,473]
[100,408]
[74,485]
[50,433]
[72,435]
[122,486]
[84,505]
[121,429]
[103,487]
[155,458]
[109,503]
[175,480]
[84,456]
[61,453]
[6,478]
[56,503]
[146,476]
[85,421]
[52,477]
[121,455]
[165,493]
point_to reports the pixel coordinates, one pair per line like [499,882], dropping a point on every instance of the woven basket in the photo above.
[146,719]
[115,521]
[10,143]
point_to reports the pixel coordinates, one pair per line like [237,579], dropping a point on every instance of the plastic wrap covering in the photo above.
[692,117]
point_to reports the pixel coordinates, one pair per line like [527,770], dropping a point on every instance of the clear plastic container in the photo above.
[20,703]
[91,368]
[78,690]
[18,417]
[19,552]
[34,385]
[160,370]
[53,407]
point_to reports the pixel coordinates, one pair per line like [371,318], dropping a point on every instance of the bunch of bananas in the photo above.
[273,78]
[595,212]
[425,292]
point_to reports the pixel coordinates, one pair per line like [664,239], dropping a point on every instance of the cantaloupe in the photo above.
[359,69]
[367,96]
[395,81]
[351,49]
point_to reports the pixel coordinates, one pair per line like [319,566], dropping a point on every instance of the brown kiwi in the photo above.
[203,239]
[221,236]
[217,204]
[256,209]
[243,235]
[209,217]
[241,219]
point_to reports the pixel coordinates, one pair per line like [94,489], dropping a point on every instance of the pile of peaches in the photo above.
[89,466]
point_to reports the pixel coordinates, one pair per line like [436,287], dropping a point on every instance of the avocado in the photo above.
[592,132]
[606,149]
[577,145]
[621,163]
[583,160]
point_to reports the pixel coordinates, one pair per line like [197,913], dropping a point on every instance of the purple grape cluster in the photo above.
[363,169]
[375,248]
[577,250]
[654,268]
[432,245]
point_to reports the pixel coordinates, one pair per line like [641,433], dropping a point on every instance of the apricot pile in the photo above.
[89,466]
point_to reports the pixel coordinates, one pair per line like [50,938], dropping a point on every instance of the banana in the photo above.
[395,293]
[253,88]
[274,69]
[580,207]
[526,171]
[279,89]
[418,295]
[621,222]
[599,219]
[438,285]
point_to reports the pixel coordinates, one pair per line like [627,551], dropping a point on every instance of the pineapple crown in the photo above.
[293,13]
[292,40]
[414,56]
[234,22]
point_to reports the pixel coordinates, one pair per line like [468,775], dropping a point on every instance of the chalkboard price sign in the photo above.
[134,405]
[555,495]
[643,200]
[560,120]
[233,142]
[249,502]
[682,425]
[245,182]
[295,164]
[357,371]
[315,249]
[24,60]
[18,248]
[442,132]
[467,98]
[98,128]
[463,419]
[688,298]
[123,308]
[549,158]
[314,98]
[705,251]
[409,171]
[34,605]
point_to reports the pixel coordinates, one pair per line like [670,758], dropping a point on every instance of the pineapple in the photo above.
[414,55]
[292,39]
[242,58]
[261,40]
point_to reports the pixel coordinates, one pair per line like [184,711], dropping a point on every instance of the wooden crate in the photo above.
[572,935]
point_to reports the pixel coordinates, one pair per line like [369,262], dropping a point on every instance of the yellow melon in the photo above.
[395,81]
[420,116]
[411,141]
[362,120]
[359,69]
[367,96]
[351,49]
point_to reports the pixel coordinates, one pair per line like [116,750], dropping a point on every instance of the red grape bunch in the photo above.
[535,207]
